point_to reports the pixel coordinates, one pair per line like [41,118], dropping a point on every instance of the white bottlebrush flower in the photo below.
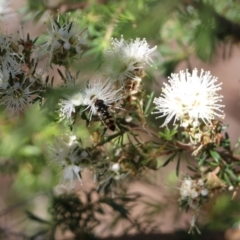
[192,191]
[98,90]
[10,58]
[190,99]
[18,97]
[73,37]
[62,36]
[14,67]
[64,152]
[66,110]
[64,146]
[125,58]
[188,189]
[67,106]
[70,172]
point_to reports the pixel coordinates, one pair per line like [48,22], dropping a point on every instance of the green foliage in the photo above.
[168,134]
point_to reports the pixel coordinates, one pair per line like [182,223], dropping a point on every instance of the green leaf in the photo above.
[215,155]
[227,180]
[231,174]
[169,160]
[168,134]
[202,159]
[178,164]
[214,164]
[205,42]
[148,104]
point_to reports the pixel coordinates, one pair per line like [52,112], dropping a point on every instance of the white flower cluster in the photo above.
[122,62]
[19,84]
[87,96]
[190,99]
[63,36]
[18,97]
[67,152]
[191,192]
[11,58]
[97,90]
[126,59]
